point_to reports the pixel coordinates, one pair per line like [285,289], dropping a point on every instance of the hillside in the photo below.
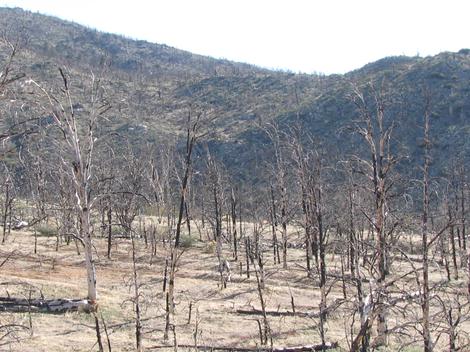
[152,199]
[151,86]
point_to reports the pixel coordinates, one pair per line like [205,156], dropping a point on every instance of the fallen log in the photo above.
[276,313]
[285,313]
[305,348]
[22,305]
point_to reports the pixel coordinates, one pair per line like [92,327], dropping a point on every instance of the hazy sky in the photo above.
[328,36]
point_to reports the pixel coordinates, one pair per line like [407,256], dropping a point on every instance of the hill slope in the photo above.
[151,87]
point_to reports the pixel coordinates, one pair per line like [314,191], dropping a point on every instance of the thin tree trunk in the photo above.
[424,233]
[276,256]
[352,235]
[264,335]
[138,324]
[188,218]
[452,242]
[234,225]
[110,231]
[284,226]
[5,210]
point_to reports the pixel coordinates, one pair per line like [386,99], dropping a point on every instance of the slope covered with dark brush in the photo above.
[152,86]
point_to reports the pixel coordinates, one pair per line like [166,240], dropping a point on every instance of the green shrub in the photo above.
[187,241]
[46,230]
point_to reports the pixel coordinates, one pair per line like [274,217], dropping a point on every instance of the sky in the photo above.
[309,36]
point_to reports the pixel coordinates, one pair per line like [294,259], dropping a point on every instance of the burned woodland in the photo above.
[153,199]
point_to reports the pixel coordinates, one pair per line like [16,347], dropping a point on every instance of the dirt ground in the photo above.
[214,318]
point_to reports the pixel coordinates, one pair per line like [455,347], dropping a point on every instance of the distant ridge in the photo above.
[154,84]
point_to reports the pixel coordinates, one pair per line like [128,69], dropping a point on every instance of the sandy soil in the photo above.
[61,274]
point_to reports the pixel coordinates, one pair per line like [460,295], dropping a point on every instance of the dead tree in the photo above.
[215,184]
[193,133]
[454,313]
[464,194]
[14,126]
[304,175]
[310,173]
[233,213]
[9,129]
[7,70]
[128,191]
[136,299]
[264,329]
[76,143]
[38,173]
[106,177]
[376,133]
[449,196]
[274,225]
[215,188]
[279,173]
[7,204]
[428,344]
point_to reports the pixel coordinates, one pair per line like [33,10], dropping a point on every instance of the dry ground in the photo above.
[61,274]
